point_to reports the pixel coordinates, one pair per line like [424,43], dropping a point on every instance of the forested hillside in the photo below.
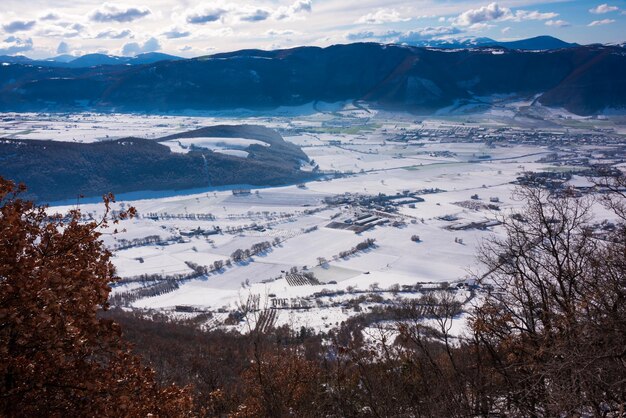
[581,79]
[57,170]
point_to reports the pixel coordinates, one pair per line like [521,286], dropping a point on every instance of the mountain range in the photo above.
[89,60]
[582,79]
[92,60]
[538,43]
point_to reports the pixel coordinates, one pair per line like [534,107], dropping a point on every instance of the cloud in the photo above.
[134,48]
[382,16]
[428,33]
[118,13]
[477,27]
[522,15]
[18,26]
[62,30]
[63,48]
[381,36]
[366,34]
[602,9]
[255,16]
[416,35]
[601,22]
[558,23]
[484,14]
[114,34]
[276,32]
[206,16]
[13,45]
[50,16]
[296,8]
[72,26]
[175,33]
[505,30]
[494,12]
[301,6]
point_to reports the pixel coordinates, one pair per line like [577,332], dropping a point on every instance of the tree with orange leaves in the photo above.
[57,357]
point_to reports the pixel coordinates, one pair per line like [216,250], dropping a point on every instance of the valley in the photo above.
[399,207]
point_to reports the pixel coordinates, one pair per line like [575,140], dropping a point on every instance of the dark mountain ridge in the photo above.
[89,60]
[582,79]
[55,170]
[536,43]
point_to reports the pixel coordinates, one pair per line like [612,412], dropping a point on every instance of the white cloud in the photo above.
[255,15]
[206,15]
[483,14]
[62,30]
[521,15]
[221,32]
[50,16]
[429,32]
[603,8]
[18,26]
[420,34]
[301,6]
[291,12]
[494,12]
[276,32]
[477,27]
[558,23]
[118,13]
[317,22]
[14,45]
[134,48]
[382,16]
[601,22]
[115,34]
[505,30]
[381,36]
[176,33]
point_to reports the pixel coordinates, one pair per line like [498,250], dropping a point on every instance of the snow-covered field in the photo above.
[470,173]
[223,145]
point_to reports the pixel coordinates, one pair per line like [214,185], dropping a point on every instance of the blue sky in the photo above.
[190,28]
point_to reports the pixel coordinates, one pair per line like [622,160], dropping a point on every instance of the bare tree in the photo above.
[552,328]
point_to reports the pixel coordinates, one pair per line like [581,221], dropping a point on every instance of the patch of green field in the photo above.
[348,130]
[14,135]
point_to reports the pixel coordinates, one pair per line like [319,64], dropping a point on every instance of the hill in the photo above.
[536,43]
[57,170]
[582,79]
[89,60]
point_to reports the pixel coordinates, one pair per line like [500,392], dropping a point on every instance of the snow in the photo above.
[371,160]
[233,152]
[219,144]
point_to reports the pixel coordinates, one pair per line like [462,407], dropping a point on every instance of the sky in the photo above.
[47,28]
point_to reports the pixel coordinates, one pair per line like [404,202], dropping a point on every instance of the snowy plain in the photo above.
[364,153]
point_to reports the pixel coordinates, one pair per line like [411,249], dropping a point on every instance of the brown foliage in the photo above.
[57,357]
[554,329]
[280,384]
[548,340]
